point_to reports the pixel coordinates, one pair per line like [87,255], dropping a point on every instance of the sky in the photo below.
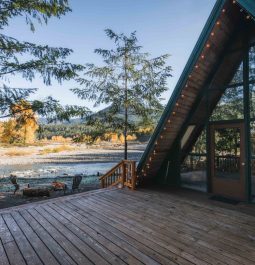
[163,26]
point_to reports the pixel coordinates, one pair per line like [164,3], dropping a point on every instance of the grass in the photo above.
[15,152]
[58,149]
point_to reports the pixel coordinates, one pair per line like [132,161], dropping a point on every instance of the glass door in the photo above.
[227,160]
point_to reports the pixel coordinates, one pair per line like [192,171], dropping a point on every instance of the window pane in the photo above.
[230,106]
[252,63]
[238,77]
[193,169]
[252,101]
[227,153]
[253,179]
[252,133]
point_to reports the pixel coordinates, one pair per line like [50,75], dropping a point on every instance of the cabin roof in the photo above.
[199,72]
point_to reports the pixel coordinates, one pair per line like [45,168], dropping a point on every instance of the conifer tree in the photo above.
[29,59]
[129,81]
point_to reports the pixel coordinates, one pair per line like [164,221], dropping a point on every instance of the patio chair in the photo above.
[76,182]
[13,180]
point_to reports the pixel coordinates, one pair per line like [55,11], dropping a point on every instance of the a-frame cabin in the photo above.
[205,138]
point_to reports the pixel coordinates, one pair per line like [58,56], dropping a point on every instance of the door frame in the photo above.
[220,186]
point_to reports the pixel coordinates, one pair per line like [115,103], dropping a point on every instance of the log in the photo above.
[36,192]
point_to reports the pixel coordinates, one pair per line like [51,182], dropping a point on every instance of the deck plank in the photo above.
[122,235]
[41,249]
[202,254]
[169,252]
[28,252]
[3,257]
[126,227]
[13,253]
[77,256]
[230,252]
[75,225]
[172,211]
[48,239]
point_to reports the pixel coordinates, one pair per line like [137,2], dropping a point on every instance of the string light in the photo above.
[164,128]
[208,45]
[196,66]
[182,96]
[202,56]
[234,2]
[218,23]
[248,17]
[177,104]
[161,137]
[190,76]
[223,10]
[174,113]
[212,34]
[169,121]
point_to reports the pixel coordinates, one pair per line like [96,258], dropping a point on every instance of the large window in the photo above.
[230,106]
[238,77]
[193,169]
[252,64]
[252,116]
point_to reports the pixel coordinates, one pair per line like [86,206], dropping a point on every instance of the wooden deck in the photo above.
[126,227]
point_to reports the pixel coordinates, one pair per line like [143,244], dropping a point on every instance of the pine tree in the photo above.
[129,80]
[47,62]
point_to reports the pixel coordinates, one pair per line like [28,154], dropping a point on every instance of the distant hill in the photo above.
[101,114]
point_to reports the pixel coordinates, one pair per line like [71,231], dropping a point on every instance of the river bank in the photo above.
[36,167]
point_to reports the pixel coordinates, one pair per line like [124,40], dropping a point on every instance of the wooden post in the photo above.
[123,177]
[133,174]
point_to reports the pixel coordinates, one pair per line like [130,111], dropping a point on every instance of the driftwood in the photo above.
[36,192]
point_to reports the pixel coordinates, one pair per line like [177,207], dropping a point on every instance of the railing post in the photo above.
[102,183]
[123,177]
[133,174]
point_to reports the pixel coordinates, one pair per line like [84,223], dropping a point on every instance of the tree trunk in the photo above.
[126,110]
[125,135]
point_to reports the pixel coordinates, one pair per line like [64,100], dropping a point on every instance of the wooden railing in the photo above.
[123,174]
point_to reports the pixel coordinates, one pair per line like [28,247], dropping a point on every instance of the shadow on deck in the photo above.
[128,227]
